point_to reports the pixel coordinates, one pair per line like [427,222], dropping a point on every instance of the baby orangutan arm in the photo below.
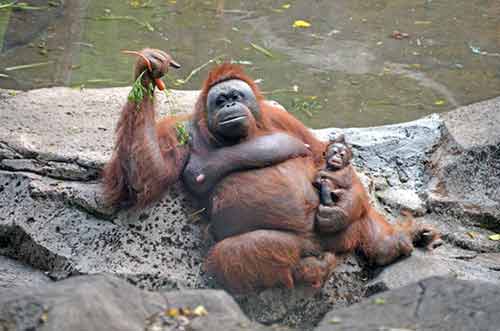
[339,206]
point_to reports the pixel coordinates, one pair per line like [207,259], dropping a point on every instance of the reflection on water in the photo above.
[345,70]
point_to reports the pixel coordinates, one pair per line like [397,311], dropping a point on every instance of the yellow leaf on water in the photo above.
[301,24]
[495,237]
[439,102]
[286,6]
[379,301]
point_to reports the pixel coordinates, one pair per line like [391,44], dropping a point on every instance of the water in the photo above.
[345,70]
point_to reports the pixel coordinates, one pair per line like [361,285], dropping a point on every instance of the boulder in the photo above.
[464,171]
[431,304]
[104,302]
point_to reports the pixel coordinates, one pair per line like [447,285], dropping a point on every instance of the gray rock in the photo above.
[433,304]
[464,171]
[107,303]
[445,261]
[401,199]
[48,224]
[67,133]
[407,271]
[16,274]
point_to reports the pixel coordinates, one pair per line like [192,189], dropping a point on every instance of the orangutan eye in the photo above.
[220,100]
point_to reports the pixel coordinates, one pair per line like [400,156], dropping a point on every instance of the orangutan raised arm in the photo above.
[146,156]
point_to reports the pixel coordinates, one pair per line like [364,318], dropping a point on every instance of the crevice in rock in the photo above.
[17,244]
[421,297]
[18,159]
[51,169]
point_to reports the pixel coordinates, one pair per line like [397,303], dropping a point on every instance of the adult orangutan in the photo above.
[249,162]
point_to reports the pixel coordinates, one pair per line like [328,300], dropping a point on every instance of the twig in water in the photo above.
[262,50]
[28,66]
[197,70]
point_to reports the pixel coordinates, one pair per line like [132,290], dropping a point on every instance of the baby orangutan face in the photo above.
[338,155]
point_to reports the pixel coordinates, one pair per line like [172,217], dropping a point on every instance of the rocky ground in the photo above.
[56,234]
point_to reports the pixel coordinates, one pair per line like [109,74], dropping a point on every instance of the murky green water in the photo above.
[344,70]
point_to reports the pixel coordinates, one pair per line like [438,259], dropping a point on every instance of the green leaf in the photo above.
[138,91]
[182,133]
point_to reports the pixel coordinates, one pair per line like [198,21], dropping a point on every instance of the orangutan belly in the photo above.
[276,197]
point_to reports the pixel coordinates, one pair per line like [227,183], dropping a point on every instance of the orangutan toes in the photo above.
[428,237]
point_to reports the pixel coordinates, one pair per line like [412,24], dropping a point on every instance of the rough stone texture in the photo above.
[63,127]
[407,271]
[464,172]
[433,304]
[447,261]
[401,199]
[302,308]
[107,303]
[53,143]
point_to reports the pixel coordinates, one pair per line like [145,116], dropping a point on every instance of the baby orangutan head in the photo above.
[338,154]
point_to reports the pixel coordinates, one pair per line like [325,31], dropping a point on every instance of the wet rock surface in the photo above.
[444,169]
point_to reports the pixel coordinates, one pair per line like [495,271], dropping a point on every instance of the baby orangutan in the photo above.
[334,182]
[347,222]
